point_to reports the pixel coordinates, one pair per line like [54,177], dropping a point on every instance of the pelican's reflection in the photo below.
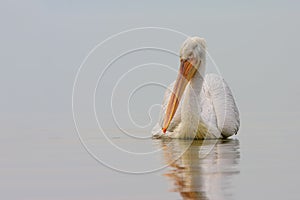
[198,176]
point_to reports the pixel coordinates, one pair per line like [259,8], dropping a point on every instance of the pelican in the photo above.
[197,105]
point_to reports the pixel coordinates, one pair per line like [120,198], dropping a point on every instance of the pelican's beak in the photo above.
[186,73]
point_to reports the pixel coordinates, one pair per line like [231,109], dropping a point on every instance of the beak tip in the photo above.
[164,130]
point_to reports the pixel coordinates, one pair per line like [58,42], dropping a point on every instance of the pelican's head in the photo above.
[192,59]
[193,50]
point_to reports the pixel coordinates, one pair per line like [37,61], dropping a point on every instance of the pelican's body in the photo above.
[197,105]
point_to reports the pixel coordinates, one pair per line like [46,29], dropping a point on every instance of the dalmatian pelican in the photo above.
[197,105]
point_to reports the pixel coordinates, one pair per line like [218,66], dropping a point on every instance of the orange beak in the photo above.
[186,73]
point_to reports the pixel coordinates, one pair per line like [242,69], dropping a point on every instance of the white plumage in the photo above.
[206,108]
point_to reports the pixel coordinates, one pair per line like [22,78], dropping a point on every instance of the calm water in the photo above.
[255,45]
[263,165]
[194,177]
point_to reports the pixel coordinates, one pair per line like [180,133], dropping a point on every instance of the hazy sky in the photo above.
[43,43]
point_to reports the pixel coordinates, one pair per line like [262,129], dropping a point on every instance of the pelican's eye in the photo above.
[190,56]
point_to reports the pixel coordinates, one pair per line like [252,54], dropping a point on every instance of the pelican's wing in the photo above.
[227,113]
[176,119]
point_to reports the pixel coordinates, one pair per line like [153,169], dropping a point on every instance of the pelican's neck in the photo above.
[191,100]
[196,83]
[190,111]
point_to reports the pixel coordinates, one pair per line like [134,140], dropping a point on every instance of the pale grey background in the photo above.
[43,43]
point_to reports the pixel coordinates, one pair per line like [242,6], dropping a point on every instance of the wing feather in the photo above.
[227,113]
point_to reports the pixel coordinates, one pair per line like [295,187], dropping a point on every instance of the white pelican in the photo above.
[195,107]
